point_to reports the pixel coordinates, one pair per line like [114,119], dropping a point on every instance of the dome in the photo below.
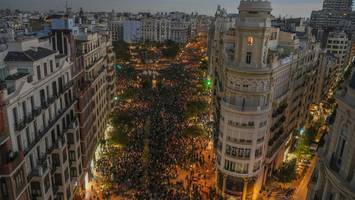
[255,5]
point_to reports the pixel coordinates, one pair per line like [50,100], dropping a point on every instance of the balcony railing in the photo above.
[29,117]
[20,125]
[44,105]
[36,111]
[42,166]
[42,132]
[244,108]
[279,110]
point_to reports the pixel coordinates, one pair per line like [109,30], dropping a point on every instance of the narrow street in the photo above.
[302,189]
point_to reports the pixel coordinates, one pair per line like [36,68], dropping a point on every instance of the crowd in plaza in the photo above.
[158,149]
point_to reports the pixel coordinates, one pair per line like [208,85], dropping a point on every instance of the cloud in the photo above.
[283,7]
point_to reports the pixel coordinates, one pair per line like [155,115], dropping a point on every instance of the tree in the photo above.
[194,131]
[287,173]
[196,108]
[129,93]
[121,50]
[171,49]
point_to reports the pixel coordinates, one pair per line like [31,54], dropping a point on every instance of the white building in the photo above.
[42,124]
[116,28]
[263,84]
[156,29]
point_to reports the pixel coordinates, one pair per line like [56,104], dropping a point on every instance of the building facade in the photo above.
[42,127]
[334,177]
[56,98]
[339,45]
[264,82]
[94,90]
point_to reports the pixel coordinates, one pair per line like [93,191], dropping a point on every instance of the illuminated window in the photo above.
[250,41]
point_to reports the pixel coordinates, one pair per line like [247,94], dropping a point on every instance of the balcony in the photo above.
[42,132]
[44,104]
[278,124]
[95,62]
[42,167]
[279,110]
[51,99]
[13,160]
[68,85]
[61,142]
[36,111]
[244,108]
[20,125]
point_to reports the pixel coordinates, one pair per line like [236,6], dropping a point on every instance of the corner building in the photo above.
[264,82]
[246,105]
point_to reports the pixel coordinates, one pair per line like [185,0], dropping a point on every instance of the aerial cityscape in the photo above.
[177,100]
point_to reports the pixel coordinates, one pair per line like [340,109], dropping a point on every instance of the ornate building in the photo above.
[264,82]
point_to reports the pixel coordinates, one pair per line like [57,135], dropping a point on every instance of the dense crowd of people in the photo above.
[157,145]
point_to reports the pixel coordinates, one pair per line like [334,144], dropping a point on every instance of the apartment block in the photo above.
[41,129]
[264,82]
[56,96]
[95,58]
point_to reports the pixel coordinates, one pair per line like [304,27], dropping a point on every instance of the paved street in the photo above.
[301,191]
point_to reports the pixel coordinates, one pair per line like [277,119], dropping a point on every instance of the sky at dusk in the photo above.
[283,7]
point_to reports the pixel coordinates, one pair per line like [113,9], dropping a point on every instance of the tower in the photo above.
[245,104]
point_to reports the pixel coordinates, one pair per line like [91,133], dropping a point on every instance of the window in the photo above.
[241,168]
[24,109]
[3,190]
[256,166]
[55,160]
[36,189]
[68,192]
[340,150]
[47,183]
[64,155]
[51,65]
[258,152]
[14,114]
[28,136]
[250,41]
[79,152]
[72,155]
[39,77]
[19,180]
[66,174]
[58,179]
[70,137]
[229,165]
[54,88]
[32,102]
[248,58]
[73,172]
[45,69]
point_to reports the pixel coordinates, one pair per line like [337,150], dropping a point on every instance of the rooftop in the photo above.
[28,55]
[255,5]
[16,76]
